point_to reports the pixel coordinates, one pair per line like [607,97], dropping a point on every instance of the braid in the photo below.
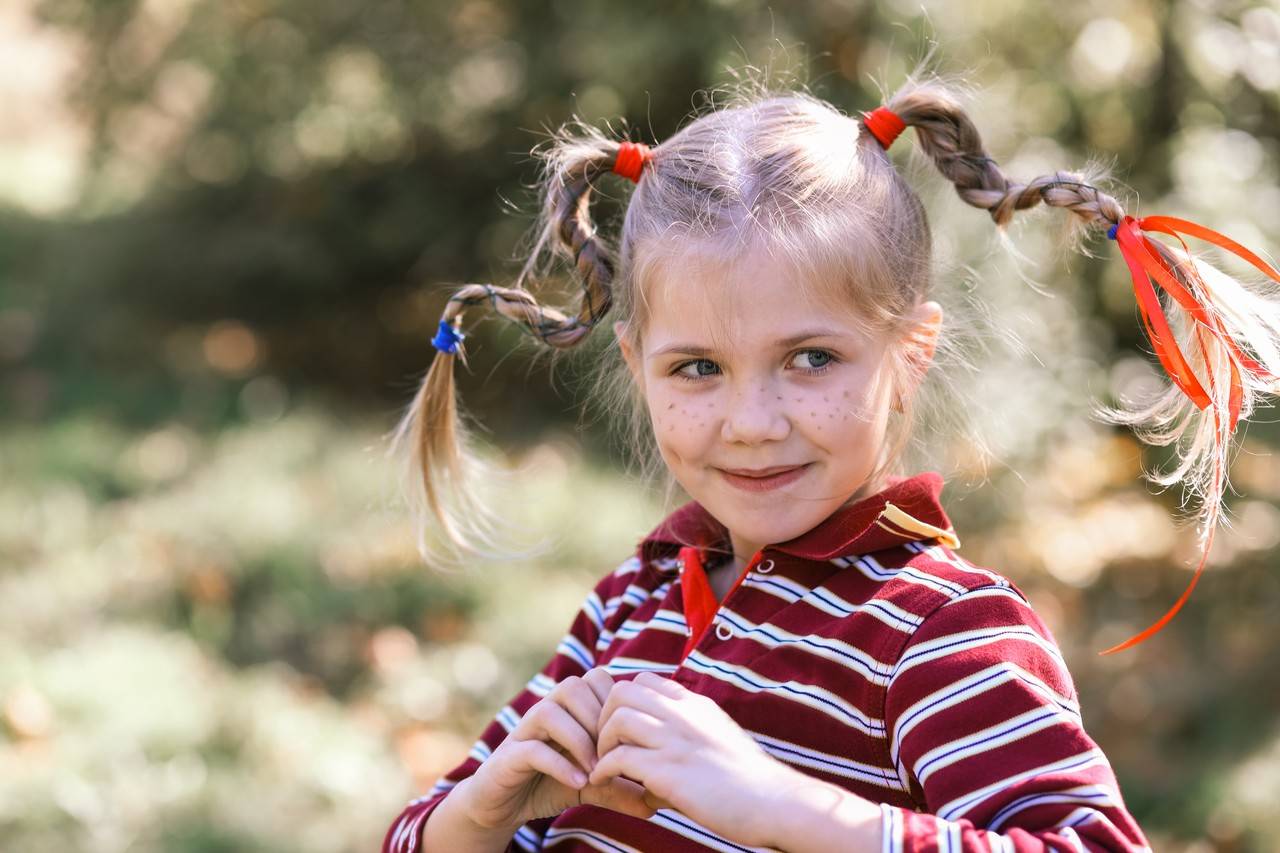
[1206,324]
[952,141]
[439,466]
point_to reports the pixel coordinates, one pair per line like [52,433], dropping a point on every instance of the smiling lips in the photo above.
[763,479]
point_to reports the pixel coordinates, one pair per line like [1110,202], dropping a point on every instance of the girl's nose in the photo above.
[755,415]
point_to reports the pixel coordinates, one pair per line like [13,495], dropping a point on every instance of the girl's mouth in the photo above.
[764,484]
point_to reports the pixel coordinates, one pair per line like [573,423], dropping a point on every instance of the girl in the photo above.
[797,659]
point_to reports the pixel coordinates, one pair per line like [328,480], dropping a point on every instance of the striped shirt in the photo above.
[865,653]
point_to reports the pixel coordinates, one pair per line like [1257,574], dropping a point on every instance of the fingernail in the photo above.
[579,778]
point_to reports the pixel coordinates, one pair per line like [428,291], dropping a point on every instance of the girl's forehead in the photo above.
[718,299]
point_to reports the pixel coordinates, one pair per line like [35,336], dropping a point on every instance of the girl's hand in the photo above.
[531,775]
[686,751]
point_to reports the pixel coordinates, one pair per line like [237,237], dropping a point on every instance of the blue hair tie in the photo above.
[446,340]
[1111,232]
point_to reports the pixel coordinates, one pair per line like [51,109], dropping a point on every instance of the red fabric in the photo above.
[699,600]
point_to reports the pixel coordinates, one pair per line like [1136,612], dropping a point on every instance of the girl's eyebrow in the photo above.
[783,343]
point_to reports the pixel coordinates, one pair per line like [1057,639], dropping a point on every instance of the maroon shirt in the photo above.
[864,652]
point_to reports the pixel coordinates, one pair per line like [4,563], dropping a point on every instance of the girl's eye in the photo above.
[820,361]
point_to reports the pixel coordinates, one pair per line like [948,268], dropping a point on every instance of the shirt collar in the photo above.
[907,510]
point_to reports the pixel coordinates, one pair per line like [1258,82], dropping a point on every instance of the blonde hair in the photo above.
[789,173]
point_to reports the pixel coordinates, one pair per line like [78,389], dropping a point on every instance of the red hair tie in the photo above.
[1147,265]
[631,159]
[884,124]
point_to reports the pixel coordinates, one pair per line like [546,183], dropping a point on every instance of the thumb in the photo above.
[620,795]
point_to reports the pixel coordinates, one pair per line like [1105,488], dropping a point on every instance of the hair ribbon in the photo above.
[1147,265]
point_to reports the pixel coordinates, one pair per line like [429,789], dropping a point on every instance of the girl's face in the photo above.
[797,388]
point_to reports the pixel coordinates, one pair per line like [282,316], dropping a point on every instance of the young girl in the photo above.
[797,659]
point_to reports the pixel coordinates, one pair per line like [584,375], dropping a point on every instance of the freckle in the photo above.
[846,393]
[779,398]
[670,406]
[813,414]
[797,399]
[819,428]
[824,398]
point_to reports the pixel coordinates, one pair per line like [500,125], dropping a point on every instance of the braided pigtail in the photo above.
[1210,325]
[439,462]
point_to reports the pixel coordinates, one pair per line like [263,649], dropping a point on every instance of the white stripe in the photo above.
[890,829]
[776,585]
[988,739]
[886,611]
[527,838]
[847,655]
[961,641]
[414,831]
[966,688]
[940,554]
[958,807]
[1070,834]
[794,691]
[803,756]
[1093,795]
[682,824]
[621,665]
[508,718]
[395,836]
[572,648]
[661,620]
[870,567]
[480,751]
[556,834]
[629,566]
[540,685]
[594,610]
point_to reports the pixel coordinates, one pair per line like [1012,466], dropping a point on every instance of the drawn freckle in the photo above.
[779,398]
[670,406]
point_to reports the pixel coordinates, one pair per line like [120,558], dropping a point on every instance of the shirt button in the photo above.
[765,567]
[723,631]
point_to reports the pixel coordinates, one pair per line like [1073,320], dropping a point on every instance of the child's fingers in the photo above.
[548,720]
[600,682]
[628,725]
[624,760]
[621,795]
[540,756]
[580,699]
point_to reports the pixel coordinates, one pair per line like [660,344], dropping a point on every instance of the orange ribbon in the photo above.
[1147,265]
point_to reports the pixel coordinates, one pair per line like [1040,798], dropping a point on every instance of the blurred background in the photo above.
[225,226]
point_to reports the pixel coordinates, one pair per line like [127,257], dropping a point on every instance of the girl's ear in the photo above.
[628,354]
[921,340]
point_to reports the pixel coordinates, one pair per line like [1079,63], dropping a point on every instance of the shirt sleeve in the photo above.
[573,656]
[985,730]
